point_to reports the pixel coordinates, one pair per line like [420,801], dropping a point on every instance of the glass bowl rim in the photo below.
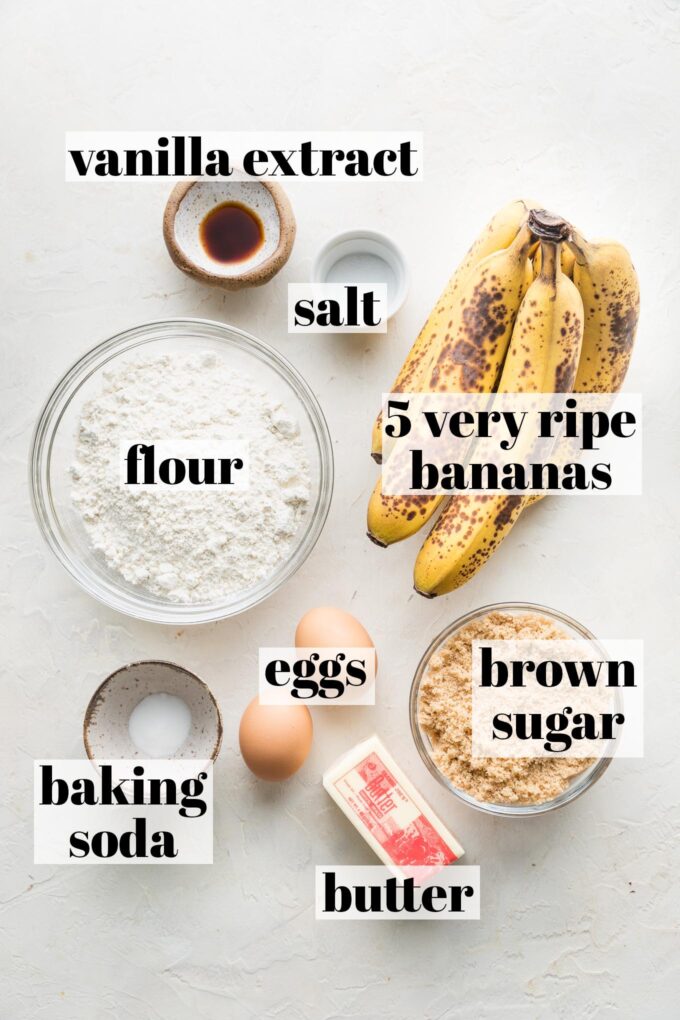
[580,783]
[49,418]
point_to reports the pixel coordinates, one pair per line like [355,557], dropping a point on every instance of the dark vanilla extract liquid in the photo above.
[231,232]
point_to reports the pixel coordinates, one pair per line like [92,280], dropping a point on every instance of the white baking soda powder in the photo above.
[198,545]
[159,724]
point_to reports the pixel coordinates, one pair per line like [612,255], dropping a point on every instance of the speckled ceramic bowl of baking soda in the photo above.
[579,784]
[54,446]
[106,728]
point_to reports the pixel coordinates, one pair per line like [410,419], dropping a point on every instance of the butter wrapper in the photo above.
[380,801]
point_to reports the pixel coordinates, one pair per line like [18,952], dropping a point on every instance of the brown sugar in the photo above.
[445,715]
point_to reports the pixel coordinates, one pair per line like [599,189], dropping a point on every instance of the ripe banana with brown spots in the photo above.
[546,342]
[543,358]
[608,284]
[414,374]
[470,361]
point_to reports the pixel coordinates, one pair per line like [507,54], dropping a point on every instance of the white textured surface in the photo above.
[567,102]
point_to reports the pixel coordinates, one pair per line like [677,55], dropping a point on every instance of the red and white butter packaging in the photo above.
[372,791]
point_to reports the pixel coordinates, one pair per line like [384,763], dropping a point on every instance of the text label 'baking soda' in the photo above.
[323,676]
[373,892]
[184,464]
[123,812]
[337,308]
[567,698]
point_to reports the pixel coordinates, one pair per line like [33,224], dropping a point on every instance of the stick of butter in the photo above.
[381,803]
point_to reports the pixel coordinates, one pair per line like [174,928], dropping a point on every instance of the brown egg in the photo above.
[327,627]
[275,739]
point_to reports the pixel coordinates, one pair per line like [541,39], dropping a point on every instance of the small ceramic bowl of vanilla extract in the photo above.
[231,233]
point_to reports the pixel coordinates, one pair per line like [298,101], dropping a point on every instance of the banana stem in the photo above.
[549,260]
[548,226]
[525,244]
[579,246]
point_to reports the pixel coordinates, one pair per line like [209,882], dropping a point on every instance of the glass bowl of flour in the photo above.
[208,400]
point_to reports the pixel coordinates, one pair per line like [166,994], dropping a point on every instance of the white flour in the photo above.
[189,546]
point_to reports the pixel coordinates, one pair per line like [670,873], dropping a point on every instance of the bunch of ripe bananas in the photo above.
[533,308]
